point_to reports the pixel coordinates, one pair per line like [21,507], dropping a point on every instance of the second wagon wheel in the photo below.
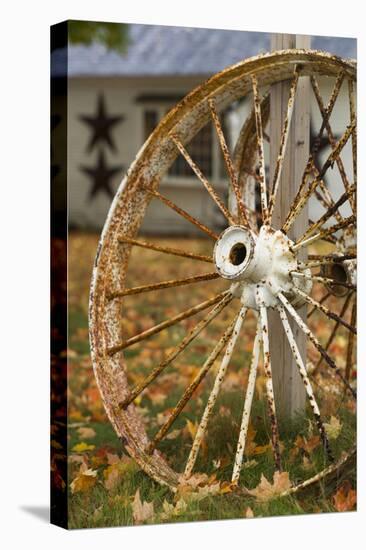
[250,268]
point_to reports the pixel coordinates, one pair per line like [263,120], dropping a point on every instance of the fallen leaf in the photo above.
[171,510]
[76,459]
[141,511]
[249,512]
[84,481]
[173,434]
[191,429]
[345,498]
[308,445]
[333,428]
[81,447]
[116,470]
[266,490]
[86,433]
[250,463]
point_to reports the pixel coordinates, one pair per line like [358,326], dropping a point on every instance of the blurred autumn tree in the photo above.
[113,35]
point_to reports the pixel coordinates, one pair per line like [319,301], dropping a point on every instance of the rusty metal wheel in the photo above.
[260,268]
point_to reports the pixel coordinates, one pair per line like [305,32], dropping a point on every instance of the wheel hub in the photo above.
[264,261]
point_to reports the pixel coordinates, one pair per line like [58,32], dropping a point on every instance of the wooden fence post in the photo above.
[288,387]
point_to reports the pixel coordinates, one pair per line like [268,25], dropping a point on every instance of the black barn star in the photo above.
[101,124]
[101,175]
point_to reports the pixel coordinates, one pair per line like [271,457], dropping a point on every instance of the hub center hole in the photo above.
[238,253]
[339,273]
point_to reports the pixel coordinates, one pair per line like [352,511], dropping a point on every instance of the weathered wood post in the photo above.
[288,387]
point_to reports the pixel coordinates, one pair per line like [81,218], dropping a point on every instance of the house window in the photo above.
[151,120]
[200,149]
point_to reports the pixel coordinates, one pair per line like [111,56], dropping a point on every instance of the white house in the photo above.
[115,101]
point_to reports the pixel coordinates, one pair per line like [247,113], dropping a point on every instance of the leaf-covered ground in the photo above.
[106,488]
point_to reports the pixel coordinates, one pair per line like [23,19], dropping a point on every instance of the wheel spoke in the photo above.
[182,346]
[323,280]
[168,323]
[351,220]
[324,310]
[322,299]
[325,198]
[303,326]
[165,249]
[247,407]
[183,213]
[321,475]
[228,162]
[301,198]
[334,330]
[214,394]
[191,388]
[328,111]
[283,144]
[304,376]
[332,140]
[164,284]
[352,107]
[318,260]
[329,213]
[351,338]
[203,179]
[269,384]
[260,149]
[332,257]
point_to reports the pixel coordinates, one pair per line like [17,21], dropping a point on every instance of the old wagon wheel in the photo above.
[259,267]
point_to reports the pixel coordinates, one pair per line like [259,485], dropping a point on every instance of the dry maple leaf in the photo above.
[84,481]
[171,510]
[345,498]
[81,447]
[116,470]
[141,511]
[86,433]
[266,490]
[333,428]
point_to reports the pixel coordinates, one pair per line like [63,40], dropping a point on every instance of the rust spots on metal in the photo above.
[283,143]
[315,342]
[324,280]
[269,385]
[192,387]
[303,196]
[332,140]
[202,178]
[330,212]
[304,376]
[201,430]
[260,148]
[324,233]
[164,249]
[228,163]
[190,336]
[164,284]
[325,310]
[350,346]
[183,213]
[166,324]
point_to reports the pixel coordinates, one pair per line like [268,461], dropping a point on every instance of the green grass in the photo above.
[100,507]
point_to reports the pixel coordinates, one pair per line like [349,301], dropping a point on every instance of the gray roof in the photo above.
[161,50]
